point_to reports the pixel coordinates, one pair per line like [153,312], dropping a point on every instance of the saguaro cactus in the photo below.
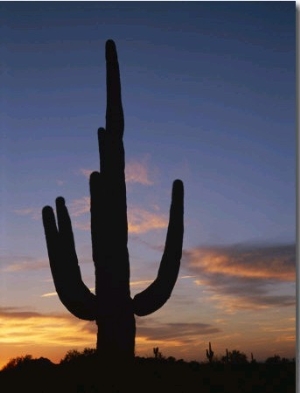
[111,306]
[157,353]
[227,356]
[209,353]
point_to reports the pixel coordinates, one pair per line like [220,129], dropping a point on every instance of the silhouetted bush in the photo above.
[276,359]
[78,372]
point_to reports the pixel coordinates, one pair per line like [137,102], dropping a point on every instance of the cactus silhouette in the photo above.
[209,353]
[157,353]
[111,306]
[227,356]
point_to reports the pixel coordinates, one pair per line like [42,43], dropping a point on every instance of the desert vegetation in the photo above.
[78,372]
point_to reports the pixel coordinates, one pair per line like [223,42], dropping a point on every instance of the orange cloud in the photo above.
[263,263]
[141,220]
[135,172]
[142,283]
[50,294]
[27,331]
[240,277]
[18,263]
[138,172]
[22,327]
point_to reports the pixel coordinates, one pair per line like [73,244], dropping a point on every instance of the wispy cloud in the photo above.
[141,220]
[243,277]
[33,212]
[143,283]
[152,331]
[86,172]
[174,338]
[13,263]
[51,294]
[183,333]
[82,225]
[80,206]
[137,283]
[136,171]
[19,325]
[17,313]
[270,262]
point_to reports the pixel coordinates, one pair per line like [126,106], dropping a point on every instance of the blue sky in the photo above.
[209,97]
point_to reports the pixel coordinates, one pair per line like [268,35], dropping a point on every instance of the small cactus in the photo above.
[209,353]
[157,353]
[225,359]
[252,358]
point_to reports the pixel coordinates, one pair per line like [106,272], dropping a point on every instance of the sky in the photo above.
[209,97]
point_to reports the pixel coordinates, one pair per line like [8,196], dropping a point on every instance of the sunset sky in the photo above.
[209,97]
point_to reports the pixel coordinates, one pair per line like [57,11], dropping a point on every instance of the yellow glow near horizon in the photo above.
[52,336]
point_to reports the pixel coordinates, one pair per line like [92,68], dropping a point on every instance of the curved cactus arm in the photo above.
[70,288]
[154,297]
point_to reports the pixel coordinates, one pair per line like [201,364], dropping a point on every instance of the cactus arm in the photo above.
[153,297]
[70,288]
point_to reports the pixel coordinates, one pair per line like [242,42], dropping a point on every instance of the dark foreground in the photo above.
[149,375]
